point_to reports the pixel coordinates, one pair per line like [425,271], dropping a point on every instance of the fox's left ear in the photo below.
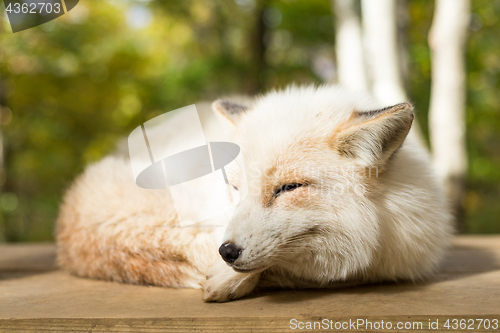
[230,110]
[371,137]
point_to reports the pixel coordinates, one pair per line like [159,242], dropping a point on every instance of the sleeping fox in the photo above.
[312,216]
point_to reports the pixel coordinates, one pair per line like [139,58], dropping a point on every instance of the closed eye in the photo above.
[287,188]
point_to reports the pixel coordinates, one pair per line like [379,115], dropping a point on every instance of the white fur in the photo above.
[342,226]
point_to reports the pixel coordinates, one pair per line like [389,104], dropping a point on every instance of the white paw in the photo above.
[224,284]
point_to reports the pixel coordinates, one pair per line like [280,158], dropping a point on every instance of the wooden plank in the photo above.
[36,296]
[249,324]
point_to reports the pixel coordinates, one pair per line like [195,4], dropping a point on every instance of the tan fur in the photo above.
[115,245]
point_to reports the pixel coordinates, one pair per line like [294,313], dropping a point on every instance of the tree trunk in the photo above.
[349,45]
[448,93]
[383,51]
[380,29]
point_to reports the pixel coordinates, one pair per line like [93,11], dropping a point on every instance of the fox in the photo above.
[337,193]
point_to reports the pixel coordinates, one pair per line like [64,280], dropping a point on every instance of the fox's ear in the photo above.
[230,110]
[371,137]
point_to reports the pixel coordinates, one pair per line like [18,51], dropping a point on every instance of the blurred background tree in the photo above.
[71,88]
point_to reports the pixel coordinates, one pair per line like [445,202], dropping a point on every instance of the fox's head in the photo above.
[313,158]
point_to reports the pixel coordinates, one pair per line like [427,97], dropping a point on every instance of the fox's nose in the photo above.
[229,252]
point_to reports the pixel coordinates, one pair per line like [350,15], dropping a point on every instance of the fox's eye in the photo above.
[236,188]
[287,188]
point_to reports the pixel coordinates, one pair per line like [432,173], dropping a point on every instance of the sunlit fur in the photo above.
[343,224]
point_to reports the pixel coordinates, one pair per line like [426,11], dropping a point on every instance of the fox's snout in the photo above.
[229,252]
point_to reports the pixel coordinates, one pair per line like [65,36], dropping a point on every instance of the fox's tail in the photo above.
[108,228]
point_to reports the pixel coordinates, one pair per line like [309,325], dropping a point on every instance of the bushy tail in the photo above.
[108,228]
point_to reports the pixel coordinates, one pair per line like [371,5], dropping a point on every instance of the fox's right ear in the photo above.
[230,110]
[371,137]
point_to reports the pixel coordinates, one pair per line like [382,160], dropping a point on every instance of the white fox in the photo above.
[312,216]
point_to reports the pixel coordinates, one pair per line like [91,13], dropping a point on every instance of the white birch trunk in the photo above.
[380,31]
[349,45]
[448,93]
[380,28]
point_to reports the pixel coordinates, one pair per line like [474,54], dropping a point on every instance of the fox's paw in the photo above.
[224,284]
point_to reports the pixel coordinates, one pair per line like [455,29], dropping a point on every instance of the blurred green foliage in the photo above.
[73,87]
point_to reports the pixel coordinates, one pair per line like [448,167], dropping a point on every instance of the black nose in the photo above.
[229,252]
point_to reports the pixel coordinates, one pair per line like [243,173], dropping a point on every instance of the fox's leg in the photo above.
[224,284]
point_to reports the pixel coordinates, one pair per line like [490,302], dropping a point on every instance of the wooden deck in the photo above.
[36,296]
